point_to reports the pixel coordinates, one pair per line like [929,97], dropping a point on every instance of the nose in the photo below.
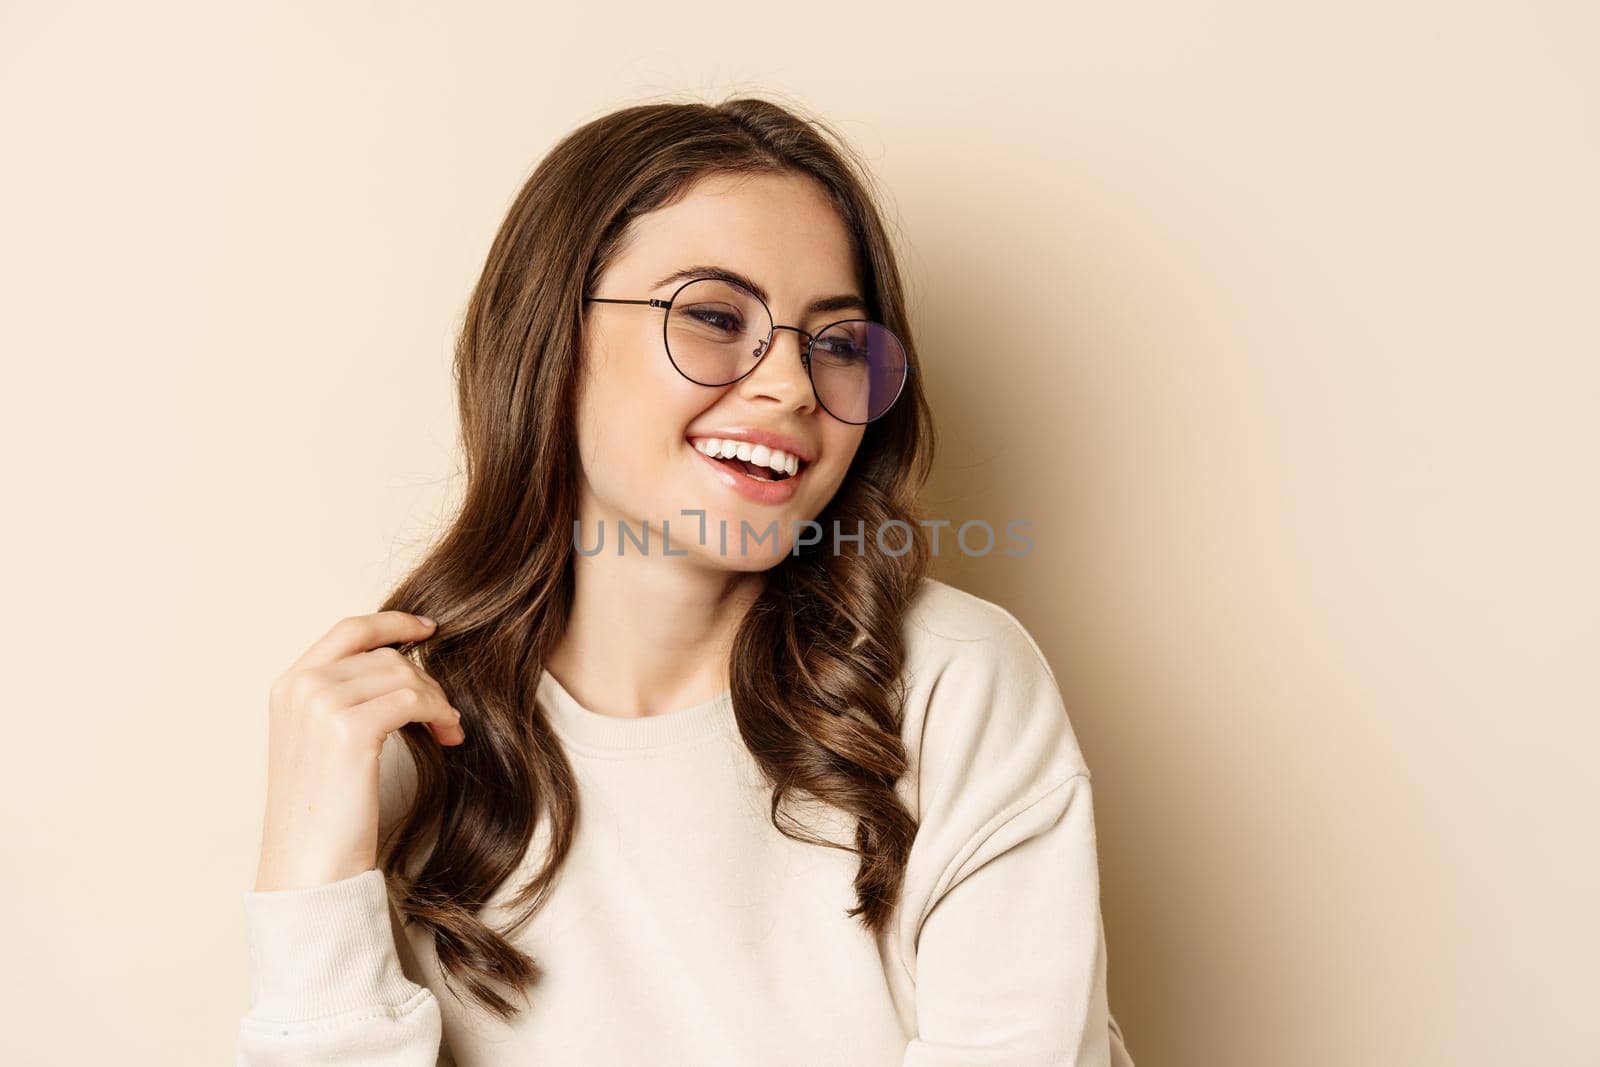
[788,381]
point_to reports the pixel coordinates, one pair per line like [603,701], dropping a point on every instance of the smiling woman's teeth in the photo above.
[758,461]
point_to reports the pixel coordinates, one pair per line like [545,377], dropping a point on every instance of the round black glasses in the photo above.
[716,332]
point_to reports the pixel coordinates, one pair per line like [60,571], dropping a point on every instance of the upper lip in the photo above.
[757,436]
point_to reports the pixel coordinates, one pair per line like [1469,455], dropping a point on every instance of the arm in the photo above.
[327,985]
[1011,958]
[1001,933]
[326,982]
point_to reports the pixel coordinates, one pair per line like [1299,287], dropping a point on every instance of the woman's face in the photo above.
[638,416]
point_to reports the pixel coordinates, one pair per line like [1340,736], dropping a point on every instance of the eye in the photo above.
[724,320]
[839,346]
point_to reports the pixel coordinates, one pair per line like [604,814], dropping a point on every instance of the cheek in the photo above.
[840,443]
[602,440]
[632,421]
[628,371]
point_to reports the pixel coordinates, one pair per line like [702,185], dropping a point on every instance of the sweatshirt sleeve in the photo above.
[326,982]
[1002,930]
[1011,961]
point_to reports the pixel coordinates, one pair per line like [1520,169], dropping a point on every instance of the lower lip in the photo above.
[760,492]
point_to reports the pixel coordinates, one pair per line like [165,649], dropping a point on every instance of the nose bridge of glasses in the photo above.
[802,337]
[803,350]
[802,341]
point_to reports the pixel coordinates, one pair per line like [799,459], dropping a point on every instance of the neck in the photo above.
[649,634]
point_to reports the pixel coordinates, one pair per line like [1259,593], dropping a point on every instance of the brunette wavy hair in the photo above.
[816,663]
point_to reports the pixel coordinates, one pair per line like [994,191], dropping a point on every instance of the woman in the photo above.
[720,776]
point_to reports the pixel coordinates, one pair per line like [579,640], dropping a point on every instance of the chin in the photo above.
[758,553]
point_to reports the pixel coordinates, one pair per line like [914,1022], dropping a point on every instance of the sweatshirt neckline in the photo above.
[592,729]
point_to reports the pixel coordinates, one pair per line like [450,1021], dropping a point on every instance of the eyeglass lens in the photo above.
[715,333]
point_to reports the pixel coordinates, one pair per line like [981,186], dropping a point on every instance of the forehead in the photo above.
[780,229]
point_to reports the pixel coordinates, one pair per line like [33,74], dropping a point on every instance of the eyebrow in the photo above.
[839,302]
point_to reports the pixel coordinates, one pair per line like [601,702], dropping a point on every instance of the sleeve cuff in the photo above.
[323,950]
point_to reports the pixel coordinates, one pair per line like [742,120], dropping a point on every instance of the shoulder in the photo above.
[949,631]
[983,714]
[941,618]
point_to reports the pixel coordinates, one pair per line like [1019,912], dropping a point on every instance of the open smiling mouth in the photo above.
[756,462]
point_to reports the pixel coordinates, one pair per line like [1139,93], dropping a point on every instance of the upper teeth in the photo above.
[761,455]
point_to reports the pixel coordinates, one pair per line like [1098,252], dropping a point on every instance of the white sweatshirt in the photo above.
[685,930]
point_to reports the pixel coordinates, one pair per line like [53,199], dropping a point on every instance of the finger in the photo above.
[361,633]
[366,685]
[384,714]
[381,660]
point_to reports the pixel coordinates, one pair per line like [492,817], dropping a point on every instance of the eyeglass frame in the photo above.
[805,353]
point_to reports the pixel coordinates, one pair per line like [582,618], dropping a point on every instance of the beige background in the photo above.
[1277,321]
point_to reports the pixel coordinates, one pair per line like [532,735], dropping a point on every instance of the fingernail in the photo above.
[426,620]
